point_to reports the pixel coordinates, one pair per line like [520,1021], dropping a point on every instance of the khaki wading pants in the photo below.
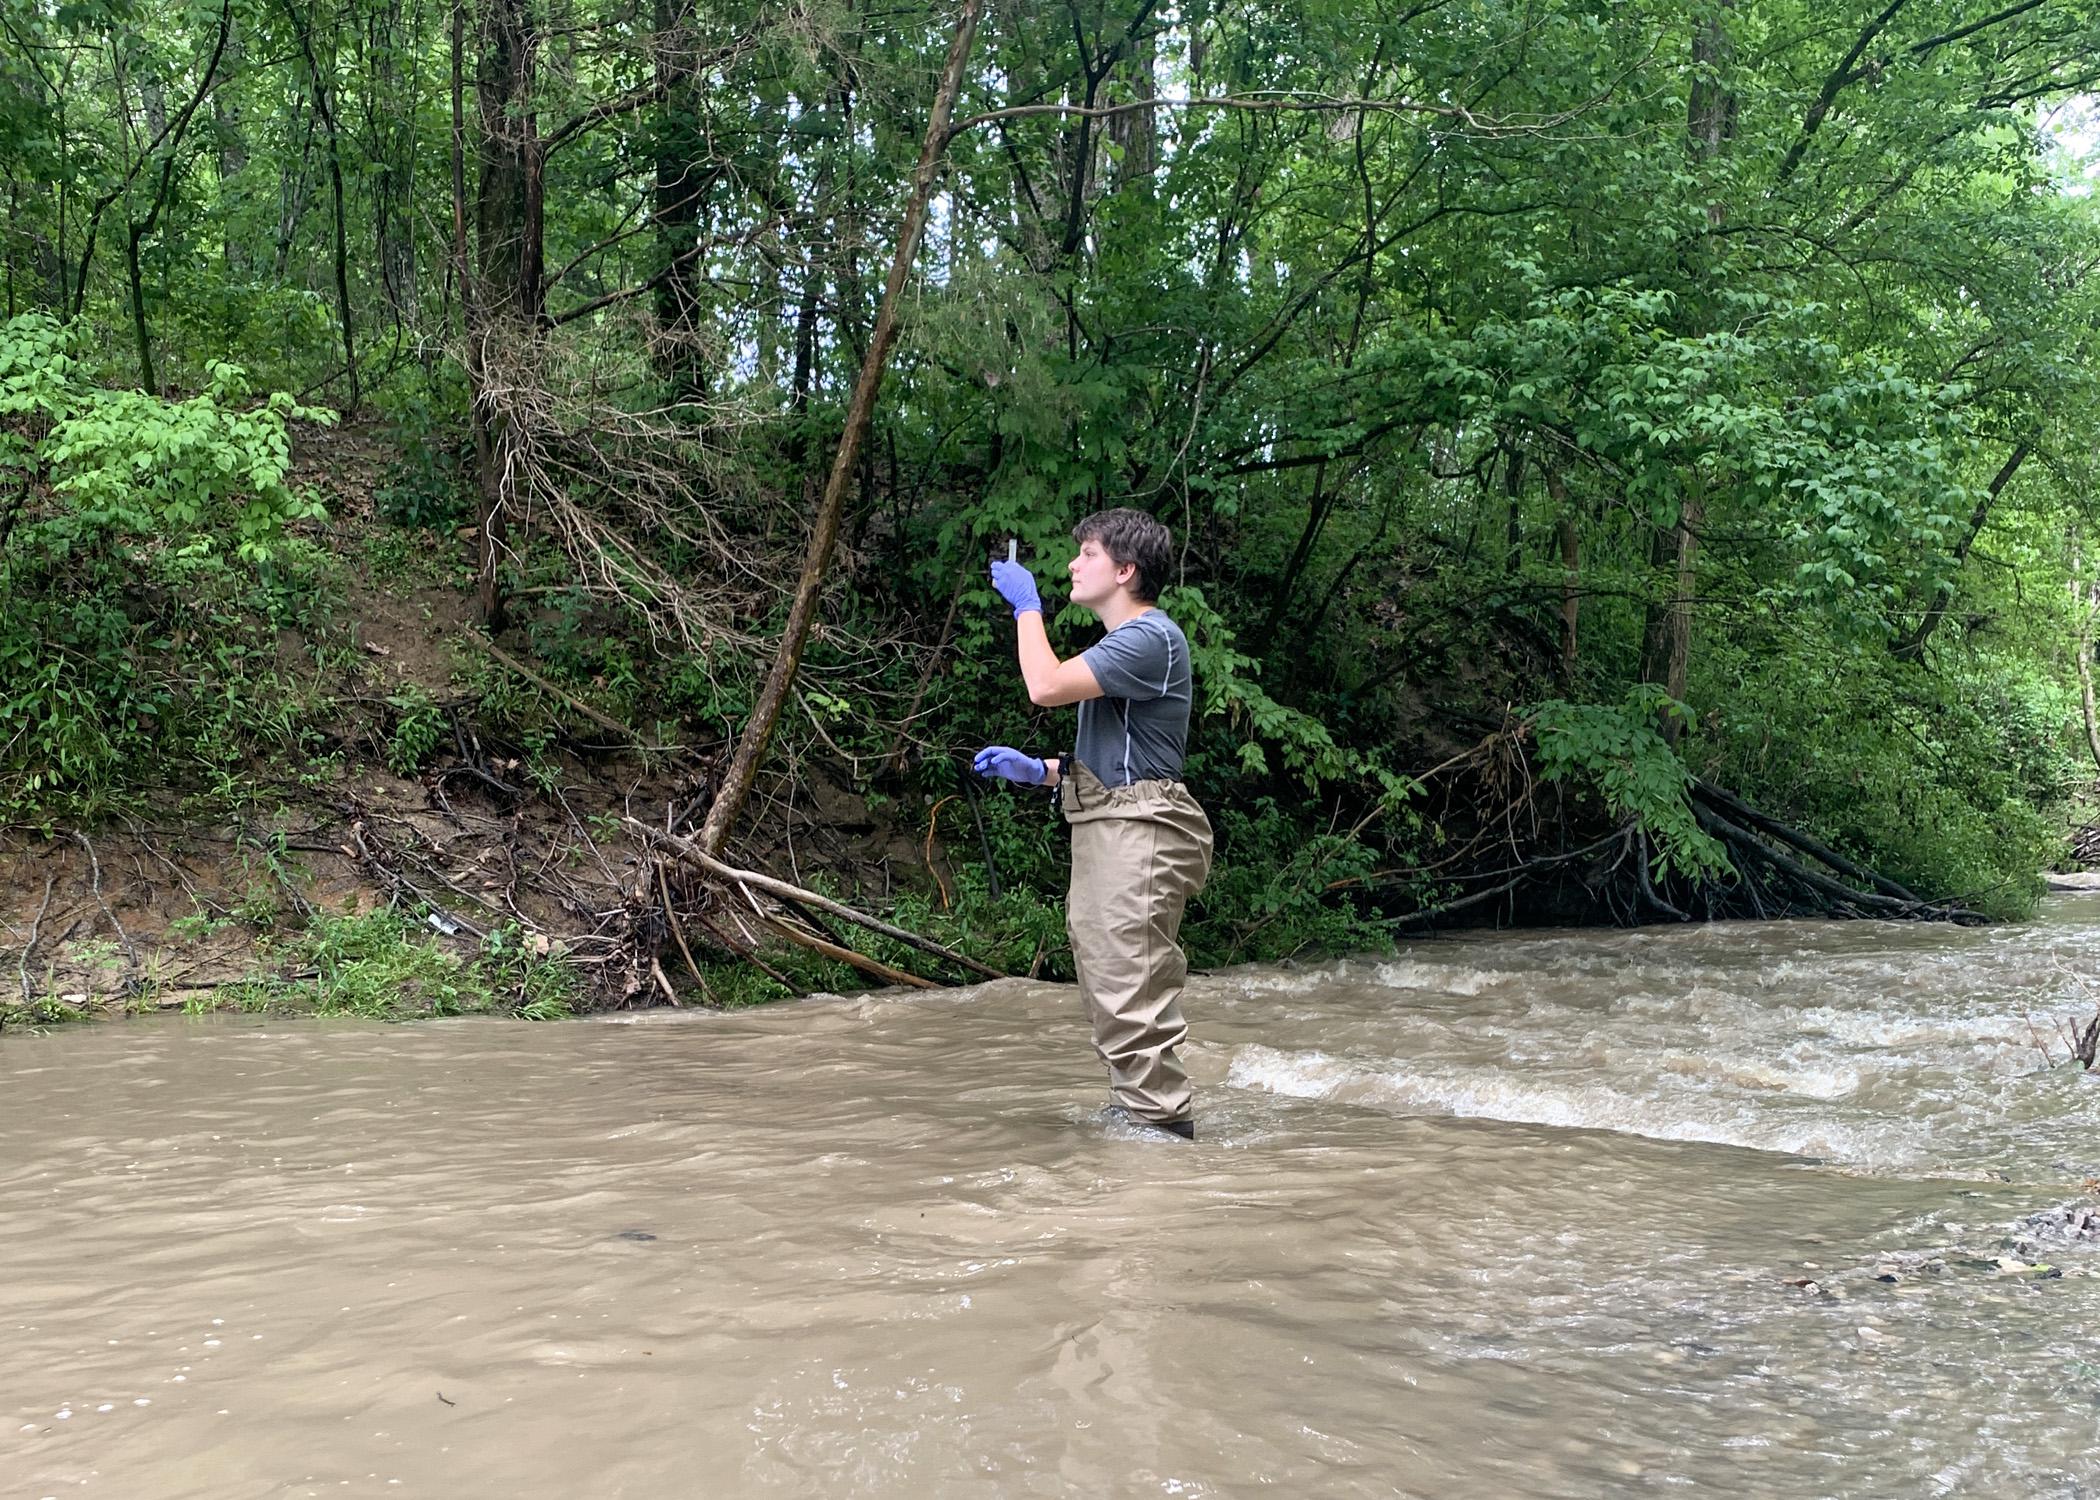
[1139,852]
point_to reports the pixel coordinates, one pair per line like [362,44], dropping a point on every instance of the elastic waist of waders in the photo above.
[1067,795]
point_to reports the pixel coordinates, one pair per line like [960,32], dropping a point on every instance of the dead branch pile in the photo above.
[1516,850]
[617,912]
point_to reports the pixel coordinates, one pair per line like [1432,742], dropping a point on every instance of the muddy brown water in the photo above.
[1501,1216]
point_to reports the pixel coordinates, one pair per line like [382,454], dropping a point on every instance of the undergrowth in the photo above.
[381,966]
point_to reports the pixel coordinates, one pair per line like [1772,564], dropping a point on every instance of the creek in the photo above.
[1752,1209]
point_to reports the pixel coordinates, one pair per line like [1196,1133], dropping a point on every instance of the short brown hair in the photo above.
[1131,536]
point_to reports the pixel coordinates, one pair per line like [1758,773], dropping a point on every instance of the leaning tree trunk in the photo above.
[758,730]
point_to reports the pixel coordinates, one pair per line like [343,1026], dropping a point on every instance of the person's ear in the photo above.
[1126,574]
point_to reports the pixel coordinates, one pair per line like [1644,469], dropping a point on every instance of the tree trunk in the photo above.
[1513,491]
[1667,644]
[292,187]
[325,107]
[148,382]
[1667,651]
[758,731]
[510,270]
[393,147]
[1317,512]
[1570,577]
[1136,133]
[2085,603]
[683,178]
[232,157]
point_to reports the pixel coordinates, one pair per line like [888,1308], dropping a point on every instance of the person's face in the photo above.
[1096,576]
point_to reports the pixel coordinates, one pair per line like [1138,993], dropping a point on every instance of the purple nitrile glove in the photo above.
[1016,585]
[1010,764]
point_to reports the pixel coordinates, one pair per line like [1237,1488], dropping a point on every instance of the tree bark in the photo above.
[758,731]
[393,152]
[1667,641]
[1667,650]
[683,178]
[2085,603]
[148,381]
[1135,133]
[1570,537]
[510,272]
[232,156]
[1513,492]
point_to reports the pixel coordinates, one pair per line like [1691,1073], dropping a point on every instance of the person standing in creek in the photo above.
[1141,847]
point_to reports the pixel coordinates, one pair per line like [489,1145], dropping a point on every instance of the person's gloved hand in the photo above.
[1016,585]
[1009,763]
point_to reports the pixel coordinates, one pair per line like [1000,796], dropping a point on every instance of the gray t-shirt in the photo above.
[1139,731]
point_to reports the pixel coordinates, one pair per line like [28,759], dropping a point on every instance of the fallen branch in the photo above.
[1464,901]
[1843,895]
[1764,822]
[687,849]
[22,962]
[663,885]
[860,961]
[603,721]
[395,881]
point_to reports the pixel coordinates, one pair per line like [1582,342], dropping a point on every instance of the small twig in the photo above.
[663,885]
[603,721]
[817,724]
[22,961]
[131,954]
[2048,1057]
[933,822]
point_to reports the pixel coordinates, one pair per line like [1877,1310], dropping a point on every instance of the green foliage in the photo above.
[1406,387]
[1947,782]
[1233,693]
[145,571]
[419,728]
[1617,753]
[426,483]
[198,474]
[1272,892]
[380,967]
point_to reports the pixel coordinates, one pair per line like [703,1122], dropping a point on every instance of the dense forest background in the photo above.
[1610,445]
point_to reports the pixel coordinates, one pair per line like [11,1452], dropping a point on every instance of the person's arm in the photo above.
[1051,683]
